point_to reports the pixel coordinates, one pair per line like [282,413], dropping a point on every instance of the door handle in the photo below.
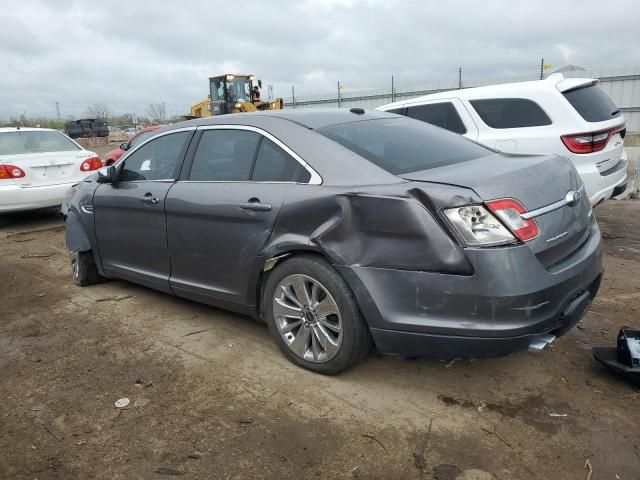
[149,198]
[256,205]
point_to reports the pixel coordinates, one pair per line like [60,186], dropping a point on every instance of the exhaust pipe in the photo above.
[541,341]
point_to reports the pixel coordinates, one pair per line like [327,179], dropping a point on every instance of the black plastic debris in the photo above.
[624,359]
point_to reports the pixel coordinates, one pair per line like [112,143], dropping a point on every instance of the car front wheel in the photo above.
[84,270]
[313,316]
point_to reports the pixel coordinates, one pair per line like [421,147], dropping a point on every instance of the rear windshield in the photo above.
[403,145]
[592,104]
[15,143]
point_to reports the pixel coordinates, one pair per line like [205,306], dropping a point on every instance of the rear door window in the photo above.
[442,114]
[224,156]
[401,145]
[273,164]
[592,103]
[510,113]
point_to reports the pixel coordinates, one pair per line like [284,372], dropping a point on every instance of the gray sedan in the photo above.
[342,229]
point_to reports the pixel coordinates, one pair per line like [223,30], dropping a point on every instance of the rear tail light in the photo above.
[510,212]
[93,163]
[10,171]
[499,223]
[478,227]
[591,142]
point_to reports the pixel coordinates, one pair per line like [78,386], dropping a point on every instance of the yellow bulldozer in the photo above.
[232,93]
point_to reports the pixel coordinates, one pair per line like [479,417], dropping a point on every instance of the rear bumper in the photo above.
[503,307]
[14,198]
[602,187]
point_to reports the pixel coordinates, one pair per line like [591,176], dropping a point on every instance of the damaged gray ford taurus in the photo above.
[342,229]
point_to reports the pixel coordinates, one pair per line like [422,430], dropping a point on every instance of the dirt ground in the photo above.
[212,397]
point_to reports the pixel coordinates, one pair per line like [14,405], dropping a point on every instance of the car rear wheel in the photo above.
[313,316]
[84,270]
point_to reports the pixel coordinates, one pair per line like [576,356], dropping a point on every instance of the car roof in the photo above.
[26,129]
[311,118]
[553,82]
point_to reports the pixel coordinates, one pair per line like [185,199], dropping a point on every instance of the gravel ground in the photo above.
[212,397]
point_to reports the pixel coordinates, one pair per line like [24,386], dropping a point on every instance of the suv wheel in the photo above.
[84,270]
[313,316]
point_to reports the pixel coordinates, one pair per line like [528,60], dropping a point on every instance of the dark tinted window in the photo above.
[592,104]
[157,160]
[395,110]
[224,155]
[510,113]
[402,145]
[441,114]
[275,165]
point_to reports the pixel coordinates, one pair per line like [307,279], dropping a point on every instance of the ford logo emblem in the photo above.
[573,198]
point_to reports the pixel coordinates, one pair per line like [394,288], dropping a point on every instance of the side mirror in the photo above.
[107,174]
[124,146]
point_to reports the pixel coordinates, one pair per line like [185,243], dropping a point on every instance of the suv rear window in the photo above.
[510,113]
[403,145]
[442,114]
[592,103]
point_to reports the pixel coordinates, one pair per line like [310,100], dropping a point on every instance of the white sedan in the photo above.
[37,167]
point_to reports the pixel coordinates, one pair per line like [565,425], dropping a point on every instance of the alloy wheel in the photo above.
[307,318]
[75,265]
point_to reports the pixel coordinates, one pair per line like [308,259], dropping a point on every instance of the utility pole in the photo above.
[460,78]
[57,110]
[293,96]
[393,90]
[541,68]
[339,96]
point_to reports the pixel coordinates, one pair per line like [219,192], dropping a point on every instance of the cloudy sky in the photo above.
[128,54]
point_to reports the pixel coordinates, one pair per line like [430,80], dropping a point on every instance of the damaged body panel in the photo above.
[386,228]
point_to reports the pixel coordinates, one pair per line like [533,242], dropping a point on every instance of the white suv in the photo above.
[571,117]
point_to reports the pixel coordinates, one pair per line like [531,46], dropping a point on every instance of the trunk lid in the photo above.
[48,168]
[536,182]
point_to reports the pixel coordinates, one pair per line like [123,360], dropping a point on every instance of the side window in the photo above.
[442,115]
[157,160]
[397,111]
[275,165]
[224,156]
[510,113]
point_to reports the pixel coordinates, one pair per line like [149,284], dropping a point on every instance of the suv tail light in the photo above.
[93,163]
[509,211]
[10,171]
[591,142]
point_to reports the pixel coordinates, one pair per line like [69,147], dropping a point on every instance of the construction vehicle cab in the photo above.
[231,93]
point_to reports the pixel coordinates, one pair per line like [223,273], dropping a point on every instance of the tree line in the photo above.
[155,113]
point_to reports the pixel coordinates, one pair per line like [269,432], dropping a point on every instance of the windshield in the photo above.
[403,145]
[19,142]
[239,89]
[138,139]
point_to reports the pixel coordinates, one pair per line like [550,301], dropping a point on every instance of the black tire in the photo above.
[356,341]
[84,270]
